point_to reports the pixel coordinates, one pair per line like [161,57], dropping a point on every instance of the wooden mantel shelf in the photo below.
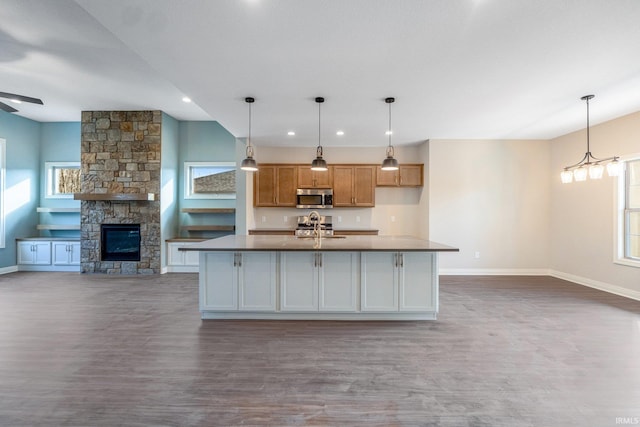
[115,196]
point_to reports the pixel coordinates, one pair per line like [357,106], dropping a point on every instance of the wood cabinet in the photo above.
[275,185]
[354,185]
[408,175]
[66,253]
[395,281]
[319,281]
[34,252]
[308,178]
[244,281]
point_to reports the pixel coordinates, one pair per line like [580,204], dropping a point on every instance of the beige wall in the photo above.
[398,211]
[582,213]
[490,197]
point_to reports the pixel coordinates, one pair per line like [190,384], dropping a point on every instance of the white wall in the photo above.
[405,205]
[490,197]
[582,213]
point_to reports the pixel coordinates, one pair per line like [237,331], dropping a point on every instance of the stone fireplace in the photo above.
[120,163]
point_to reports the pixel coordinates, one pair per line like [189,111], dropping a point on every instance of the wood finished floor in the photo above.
[92,350]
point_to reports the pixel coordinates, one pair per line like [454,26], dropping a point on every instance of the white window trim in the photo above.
[618,217]
[3,188]
[188,190]
[50,183]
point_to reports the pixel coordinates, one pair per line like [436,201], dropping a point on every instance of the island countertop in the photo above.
[346,244]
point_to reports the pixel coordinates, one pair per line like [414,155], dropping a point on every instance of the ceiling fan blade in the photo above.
[7,108]
[21,98]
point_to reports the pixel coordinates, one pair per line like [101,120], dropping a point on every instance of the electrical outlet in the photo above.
[264,218]
[393,218]
[477,254]
[285,218]
[339,218]
[358,218]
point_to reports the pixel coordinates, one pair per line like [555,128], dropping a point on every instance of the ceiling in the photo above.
[508,69]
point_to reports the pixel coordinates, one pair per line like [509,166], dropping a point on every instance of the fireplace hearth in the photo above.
[120,242]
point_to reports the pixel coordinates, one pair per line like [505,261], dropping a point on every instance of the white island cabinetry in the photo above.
[281,277]
[232,281]
[318,281]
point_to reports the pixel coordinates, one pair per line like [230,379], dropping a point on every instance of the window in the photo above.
[62,179]
[3,174]
[210,180]
[628,217]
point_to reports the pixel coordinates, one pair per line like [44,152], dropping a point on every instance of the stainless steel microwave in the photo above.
[314,198]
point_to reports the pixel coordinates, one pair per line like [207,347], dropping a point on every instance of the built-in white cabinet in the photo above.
[66,253]
[181,261]
[395,281]
[319,281]
[231,281]
[34,252]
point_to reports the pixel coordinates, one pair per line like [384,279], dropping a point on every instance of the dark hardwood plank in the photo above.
[94,350]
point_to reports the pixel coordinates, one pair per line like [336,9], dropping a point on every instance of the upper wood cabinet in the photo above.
[275,185]
[409,175]
[308,178]
[354,185]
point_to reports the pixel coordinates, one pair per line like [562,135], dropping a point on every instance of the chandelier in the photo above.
[590,165]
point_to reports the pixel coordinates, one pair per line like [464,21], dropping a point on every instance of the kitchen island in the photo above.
[348,278]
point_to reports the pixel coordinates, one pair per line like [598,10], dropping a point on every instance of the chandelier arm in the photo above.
[580,163]
[603,160]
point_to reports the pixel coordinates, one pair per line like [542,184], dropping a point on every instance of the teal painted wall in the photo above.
[205,142]
[22,181]
[169,182]
[59,142]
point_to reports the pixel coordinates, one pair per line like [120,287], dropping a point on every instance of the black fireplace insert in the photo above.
[120,242]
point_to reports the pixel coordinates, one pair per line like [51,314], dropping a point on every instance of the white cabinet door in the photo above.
[34,252]
[191,258]
[418,281]
[218,281]
[299,281]
[257,281]
[174,255]
[338,281]
[66,253]
[379,281]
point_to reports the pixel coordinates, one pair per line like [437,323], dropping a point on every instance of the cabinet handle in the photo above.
[320,258]
[239,260]
[315,259]
[401,260]
[395,259]
[235,259]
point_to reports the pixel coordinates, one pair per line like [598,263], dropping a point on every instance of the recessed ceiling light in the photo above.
[186,99]
[291,133]
[340,133]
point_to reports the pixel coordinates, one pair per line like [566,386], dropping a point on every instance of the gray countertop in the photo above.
[349,243]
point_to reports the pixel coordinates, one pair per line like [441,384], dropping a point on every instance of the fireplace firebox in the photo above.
[120,242]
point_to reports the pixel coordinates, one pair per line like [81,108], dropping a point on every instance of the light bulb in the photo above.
[595,171]
[580,174]
[566,177]
[613,168]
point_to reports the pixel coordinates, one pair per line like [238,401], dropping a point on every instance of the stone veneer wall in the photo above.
[120,154]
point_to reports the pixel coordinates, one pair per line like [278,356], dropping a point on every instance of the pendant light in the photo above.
[390,163]
[249,164]
[319,164]
[590,165]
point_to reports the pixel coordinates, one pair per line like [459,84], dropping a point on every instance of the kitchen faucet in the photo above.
[314,218]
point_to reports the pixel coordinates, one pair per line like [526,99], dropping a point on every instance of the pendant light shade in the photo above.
[249,164]
[389,163]
[319,164]
[590,165]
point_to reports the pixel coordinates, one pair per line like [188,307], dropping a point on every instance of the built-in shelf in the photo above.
[208,210]
[58,227]
[208,227]
[115,196]
[58,210]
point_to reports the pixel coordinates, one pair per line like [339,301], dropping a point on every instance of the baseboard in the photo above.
[494,272]
[606,287]
[7,270]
